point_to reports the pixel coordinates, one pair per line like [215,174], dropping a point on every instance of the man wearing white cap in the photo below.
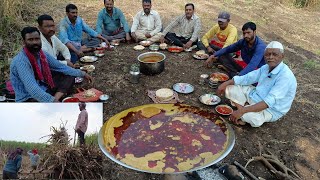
[220,35]
[270,99]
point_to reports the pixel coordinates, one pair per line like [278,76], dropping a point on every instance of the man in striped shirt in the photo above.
[189,27]
[30,71]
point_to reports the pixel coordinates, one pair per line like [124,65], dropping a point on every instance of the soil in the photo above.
[294,139]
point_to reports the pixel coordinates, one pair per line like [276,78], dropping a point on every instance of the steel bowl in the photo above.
[151,68]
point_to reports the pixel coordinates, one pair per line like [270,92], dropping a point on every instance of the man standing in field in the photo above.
[146,24]
[270,99]
[82,123]
[34,158]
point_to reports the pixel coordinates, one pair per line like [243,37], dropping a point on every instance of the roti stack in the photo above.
[164,94]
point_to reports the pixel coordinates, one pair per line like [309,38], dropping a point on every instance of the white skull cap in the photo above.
[275,45]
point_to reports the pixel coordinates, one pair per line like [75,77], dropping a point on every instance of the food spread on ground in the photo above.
[166,137]
[209,99]
[184,88]
[175,49]
[145,43]
[152,59]
[163,46]
[201,55]
[88,59]
[88,68]
[219,77]
[138,47]
[164,94]
[89,94]
[224,109]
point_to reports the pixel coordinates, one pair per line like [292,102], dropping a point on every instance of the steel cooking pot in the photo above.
[151,63]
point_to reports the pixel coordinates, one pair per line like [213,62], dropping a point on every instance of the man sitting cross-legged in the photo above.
[71,28]
[111,23]
[270,99]
[146,24]
[189,27]
[30,72]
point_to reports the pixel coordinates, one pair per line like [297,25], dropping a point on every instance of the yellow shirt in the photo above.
[226,37]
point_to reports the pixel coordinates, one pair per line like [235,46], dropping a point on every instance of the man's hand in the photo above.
[79,53]
[88,77]
[134,36]
[107,42]
[148,35]
[162,39]
[188,45]
[209,62]
[128,37]
[210,50]
[236,115]
[222,88]
[69,63]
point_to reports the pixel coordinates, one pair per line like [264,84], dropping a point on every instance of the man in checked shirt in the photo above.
[189,26]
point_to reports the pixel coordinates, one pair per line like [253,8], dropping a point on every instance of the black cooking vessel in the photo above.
[151,68]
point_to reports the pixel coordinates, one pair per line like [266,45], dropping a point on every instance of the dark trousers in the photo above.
[202,47]
[228,62]
[81,137]
[9,175]
[63,83]
[176,40]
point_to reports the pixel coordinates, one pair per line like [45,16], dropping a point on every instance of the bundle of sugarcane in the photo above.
[67,162]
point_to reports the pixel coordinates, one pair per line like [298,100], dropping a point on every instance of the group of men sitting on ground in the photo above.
[256,87]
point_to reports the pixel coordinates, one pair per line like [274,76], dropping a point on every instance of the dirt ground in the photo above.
[294,139]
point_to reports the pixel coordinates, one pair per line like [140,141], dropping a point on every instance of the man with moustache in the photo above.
[30,71]
[270,99]
[220,35]
[146,24]
[111,23]
[188,28]
[50,42]
[252,51]
[71,28]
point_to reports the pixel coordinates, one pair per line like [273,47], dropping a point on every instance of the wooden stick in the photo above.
[245,170]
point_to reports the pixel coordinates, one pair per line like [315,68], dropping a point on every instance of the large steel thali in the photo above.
[166,138]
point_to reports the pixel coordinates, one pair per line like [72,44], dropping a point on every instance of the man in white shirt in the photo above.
[271,99]
[50,43]
[146,24]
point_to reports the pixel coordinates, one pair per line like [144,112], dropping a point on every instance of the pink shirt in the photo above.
[82,122]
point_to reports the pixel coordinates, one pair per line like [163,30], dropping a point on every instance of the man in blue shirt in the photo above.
[71,28]
[111,23]
[30,72]
[270,99]
[252,51]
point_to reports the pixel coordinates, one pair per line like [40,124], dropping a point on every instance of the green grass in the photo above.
[311,64]
[92,139]
[26,146]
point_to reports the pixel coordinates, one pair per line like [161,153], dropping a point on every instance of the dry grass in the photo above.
[71,162]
